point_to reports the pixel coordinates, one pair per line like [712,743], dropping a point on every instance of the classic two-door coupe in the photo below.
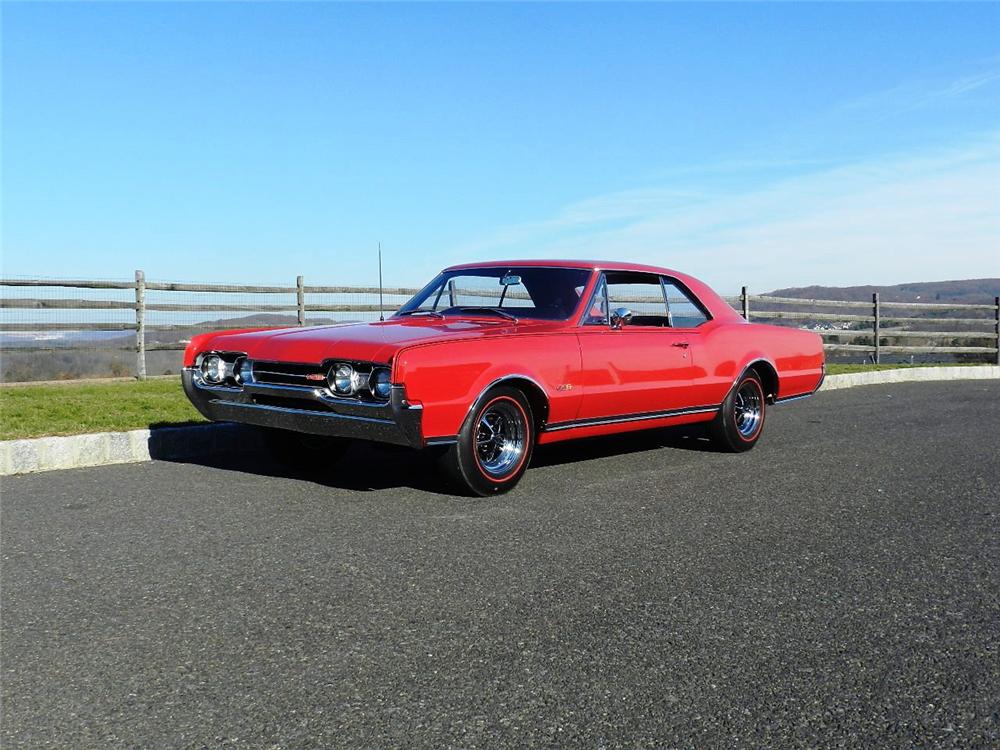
[490,359]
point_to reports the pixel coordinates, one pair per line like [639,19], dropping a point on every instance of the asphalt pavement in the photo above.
[838,586]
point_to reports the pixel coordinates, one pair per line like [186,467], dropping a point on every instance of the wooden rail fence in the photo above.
[979,323]
[869,328]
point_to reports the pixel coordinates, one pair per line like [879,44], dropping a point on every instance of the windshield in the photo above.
[518,291]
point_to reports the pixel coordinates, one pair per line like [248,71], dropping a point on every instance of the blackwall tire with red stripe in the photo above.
[740,421]
[494,446]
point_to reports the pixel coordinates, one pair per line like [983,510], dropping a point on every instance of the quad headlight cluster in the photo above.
[360,380]
[346,380]
[217,370]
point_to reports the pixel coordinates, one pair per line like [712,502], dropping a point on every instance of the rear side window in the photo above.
[682,310]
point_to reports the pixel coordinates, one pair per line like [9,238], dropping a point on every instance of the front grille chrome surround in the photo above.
[290,373]
[316,377]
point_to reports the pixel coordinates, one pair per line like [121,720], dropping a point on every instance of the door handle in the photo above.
[681,344]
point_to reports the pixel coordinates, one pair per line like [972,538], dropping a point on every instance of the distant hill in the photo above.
[966,291]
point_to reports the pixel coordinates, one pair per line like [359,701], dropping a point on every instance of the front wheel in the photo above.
[494,445]
[738,425]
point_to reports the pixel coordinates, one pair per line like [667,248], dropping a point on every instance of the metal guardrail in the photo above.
[883,327]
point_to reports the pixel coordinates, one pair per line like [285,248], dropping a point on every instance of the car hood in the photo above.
[369,342]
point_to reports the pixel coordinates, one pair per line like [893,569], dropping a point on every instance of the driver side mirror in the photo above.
[620,317]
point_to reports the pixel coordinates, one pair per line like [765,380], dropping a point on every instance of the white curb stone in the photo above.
[178,443]
[911,375]
[104,448]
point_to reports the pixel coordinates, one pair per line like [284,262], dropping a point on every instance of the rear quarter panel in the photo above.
[446,377]
[728,348]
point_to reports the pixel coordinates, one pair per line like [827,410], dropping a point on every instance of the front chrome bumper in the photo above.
[313,410]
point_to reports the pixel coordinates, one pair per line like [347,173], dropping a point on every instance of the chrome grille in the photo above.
[289,373]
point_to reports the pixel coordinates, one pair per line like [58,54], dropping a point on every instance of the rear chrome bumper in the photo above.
[314,410]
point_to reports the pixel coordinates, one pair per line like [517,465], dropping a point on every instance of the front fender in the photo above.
[446,378]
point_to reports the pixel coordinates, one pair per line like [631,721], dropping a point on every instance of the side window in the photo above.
[597,315]
[642,294]
[683,311]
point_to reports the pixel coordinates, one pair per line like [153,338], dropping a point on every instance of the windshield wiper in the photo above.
[432,313]
[495,311]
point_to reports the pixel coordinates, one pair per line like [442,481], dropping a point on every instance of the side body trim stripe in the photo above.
[630,418]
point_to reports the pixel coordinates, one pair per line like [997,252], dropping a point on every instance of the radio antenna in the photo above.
[381,307]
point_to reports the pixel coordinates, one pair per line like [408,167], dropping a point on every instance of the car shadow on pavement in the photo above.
[692,437]
[365,467]
[372,466]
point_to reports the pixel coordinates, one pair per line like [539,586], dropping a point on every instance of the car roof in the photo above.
[590,265]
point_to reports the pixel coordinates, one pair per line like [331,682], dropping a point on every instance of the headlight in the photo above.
[243,371]
[213,368]
[343,377]
[379,383]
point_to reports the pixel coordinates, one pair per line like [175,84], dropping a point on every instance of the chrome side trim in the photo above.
[788,399]
[801,396]
[630,418]
[431,442]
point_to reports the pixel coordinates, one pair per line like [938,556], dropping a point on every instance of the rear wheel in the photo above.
[494,445]
[738,425]
[302,451]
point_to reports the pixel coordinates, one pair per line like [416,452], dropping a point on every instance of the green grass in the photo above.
[844,369]
[80,407]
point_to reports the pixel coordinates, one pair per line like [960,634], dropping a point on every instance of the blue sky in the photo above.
[769,145]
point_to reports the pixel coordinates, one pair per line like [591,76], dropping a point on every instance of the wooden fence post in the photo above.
[745,302]
[140,325]
[300,299]
[996,325]
[877,325]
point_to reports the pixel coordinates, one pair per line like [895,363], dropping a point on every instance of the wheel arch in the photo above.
[531,389]
[766,372]
[768,378]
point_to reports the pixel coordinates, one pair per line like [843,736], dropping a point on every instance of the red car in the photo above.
[491,359]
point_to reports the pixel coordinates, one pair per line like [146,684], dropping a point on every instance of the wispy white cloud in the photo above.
[905,217]
[921,94]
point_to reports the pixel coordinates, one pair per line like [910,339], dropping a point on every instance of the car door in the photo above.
[644,366]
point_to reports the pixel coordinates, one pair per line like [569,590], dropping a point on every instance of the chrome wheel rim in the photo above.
[748,409]
[500,438]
